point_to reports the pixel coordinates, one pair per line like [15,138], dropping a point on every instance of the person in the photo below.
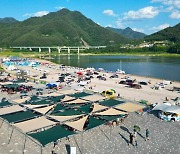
[147,134]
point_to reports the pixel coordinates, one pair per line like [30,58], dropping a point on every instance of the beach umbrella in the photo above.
[136,128]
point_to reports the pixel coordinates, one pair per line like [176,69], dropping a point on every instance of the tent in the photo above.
[166,107]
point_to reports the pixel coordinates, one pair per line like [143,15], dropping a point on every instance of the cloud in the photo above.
[138,30]
[37,14]
[175,15]
[144,13]
[160,27]
[59,7]
[174,3]
[109,13]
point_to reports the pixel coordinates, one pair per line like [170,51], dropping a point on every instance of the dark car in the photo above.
[136,86]
[143,83]
[102,78]
[114,76]
[122,82]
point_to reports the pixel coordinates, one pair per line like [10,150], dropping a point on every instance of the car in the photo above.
[102,78]
[122,82]
[167,116]
[143,83]
[114,76]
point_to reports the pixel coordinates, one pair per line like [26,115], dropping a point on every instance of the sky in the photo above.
[147,16]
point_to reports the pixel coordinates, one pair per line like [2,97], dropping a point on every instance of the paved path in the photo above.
[164,139]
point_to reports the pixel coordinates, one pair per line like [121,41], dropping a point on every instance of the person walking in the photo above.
[147,134]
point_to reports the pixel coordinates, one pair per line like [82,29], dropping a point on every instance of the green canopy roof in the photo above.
[52,134]
[19,116]
[58,108]
[111,102]
[93,122]
[4,103]
[68,112]
[78,95]
[85,108]
[110,118]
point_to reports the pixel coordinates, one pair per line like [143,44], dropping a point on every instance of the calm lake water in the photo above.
[158,67]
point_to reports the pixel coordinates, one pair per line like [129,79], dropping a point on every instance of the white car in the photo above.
[167,116]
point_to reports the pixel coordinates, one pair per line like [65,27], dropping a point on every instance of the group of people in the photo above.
[133,138]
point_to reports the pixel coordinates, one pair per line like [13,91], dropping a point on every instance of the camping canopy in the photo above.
[52,134]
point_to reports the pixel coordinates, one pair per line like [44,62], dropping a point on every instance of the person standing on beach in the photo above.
[147,134]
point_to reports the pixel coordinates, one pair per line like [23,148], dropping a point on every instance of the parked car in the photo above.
[143,83]
[114,76]
[102,78]
[167,116]
[122,82]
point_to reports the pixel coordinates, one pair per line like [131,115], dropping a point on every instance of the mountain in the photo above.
[62,28]
[128,32]
[8,20]
[170,34]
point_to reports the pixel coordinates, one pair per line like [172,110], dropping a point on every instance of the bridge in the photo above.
[59,49]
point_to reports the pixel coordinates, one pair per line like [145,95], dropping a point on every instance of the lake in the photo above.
[159,67]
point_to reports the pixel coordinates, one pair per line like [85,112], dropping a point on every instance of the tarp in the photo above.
[44,110]
[93,122]
[167,108]
[4,103]
[111,102]
[65,92]
[110,111]
[130,107]
[82,94]
[77,101]
[10,109]
[52,134]
[67,98]
[94,98]
[78,124]
[98,107]
[65,118]
[34,124]
[19,101]
[19,116]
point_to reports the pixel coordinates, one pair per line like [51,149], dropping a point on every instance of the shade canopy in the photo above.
[111,102]
[44,110]
[51,94]
[93,122]
[10,109]
[98,107]
[19,101]
[65,118]
[78,95]
[34,124]
[78,124]
[68,112]
[130,107]
[51,134]
[85,108]
[67,98]
[110,111]
[4,103]
[58,108]
[94,98]
[19,116]
[77,101]
[33,106]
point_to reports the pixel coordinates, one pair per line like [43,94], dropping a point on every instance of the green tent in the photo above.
[52,134]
